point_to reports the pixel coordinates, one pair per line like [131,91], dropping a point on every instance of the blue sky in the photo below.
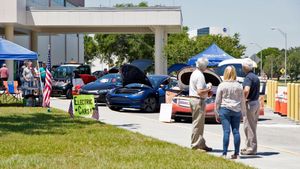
[252,19]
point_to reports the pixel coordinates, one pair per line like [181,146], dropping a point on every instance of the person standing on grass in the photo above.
[43,72]
[230,104]
[198,92]
[251,86]
[4,73]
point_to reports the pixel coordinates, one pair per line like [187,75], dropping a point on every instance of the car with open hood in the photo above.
[102,86]
[181,102]
[138,90]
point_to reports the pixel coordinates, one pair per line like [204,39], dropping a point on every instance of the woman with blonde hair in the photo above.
[230,104]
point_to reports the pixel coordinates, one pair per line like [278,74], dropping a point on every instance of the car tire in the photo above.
[149,104]
[69,94]
[114,108]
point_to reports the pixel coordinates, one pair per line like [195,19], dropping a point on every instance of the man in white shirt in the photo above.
[198,92]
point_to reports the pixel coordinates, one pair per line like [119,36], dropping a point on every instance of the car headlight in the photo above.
[104,91]
[140,92]
[175,100]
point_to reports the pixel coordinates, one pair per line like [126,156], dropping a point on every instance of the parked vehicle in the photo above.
[64,76]
[181,102]
[237,63]
[138,90]
[102,86]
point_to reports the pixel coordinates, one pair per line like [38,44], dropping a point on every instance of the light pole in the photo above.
[285,57]
[261,59]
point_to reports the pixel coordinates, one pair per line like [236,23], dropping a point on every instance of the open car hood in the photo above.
[132,74]
[185,74]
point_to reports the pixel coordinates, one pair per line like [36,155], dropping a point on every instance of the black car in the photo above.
[101,86]
[63,76]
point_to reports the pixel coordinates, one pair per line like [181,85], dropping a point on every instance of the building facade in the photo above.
[35,24]
[212,31]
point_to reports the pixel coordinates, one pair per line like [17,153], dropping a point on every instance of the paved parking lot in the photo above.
[278,137]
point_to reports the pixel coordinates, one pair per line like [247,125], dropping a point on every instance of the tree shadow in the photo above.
[41,123]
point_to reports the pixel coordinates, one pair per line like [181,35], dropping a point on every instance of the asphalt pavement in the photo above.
[278,137]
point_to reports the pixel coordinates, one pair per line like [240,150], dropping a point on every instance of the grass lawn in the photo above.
[34,138]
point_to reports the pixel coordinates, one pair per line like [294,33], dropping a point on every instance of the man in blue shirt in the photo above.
[251,86]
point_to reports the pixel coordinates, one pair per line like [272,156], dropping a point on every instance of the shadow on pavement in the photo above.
[130,126]
[259,155]
[263,119]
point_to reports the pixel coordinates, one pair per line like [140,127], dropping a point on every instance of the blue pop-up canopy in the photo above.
[214,54]
[12,51]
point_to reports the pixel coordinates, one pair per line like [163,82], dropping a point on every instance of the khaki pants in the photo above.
[198,115]
[250,125]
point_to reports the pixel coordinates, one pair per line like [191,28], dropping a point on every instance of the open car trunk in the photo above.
[185,74]
[184,80]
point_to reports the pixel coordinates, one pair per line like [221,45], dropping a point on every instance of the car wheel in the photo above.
[69,94]
[114,108]
[149,104]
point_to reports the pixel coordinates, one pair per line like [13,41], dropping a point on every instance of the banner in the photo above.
[84,105]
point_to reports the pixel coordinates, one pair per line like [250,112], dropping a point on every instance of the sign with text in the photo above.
[83,105]
[165,113]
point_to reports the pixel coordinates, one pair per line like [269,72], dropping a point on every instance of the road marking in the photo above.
[279,125]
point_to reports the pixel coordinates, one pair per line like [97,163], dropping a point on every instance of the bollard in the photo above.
[292,101]
[297,102]
[289,100]
[272,95]
[277,103]
[269,93]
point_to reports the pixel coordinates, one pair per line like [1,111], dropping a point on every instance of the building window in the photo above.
[203,31]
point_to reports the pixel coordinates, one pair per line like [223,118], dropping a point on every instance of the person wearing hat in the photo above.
[198,92]
[4,73]
[251,87]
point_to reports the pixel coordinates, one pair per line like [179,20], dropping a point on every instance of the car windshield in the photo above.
[238,67]
[64,71]
[110,78]
[156,81]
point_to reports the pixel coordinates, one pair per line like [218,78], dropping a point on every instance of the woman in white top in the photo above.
[230,104]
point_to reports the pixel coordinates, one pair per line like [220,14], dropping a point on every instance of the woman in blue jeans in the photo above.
[230,104]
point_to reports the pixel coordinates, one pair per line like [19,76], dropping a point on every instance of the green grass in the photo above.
[33,138]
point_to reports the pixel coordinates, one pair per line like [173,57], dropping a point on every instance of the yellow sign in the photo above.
[282,70]
[83,105]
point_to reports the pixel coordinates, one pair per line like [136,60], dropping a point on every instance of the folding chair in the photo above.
[12,90]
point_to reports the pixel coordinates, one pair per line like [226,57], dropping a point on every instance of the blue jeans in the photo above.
[230,118]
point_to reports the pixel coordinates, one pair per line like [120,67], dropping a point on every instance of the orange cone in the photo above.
[283,108]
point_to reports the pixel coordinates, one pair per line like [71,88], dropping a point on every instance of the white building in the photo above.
[29,22]
[212,31]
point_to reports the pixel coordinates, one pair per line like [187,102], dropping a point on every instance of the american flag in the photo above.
[48,82]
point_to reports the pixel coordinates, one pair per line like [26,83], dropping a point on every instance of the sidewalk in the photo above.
[278,138]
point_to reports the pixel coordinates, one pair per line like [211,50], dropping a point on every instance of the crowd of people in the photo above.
[233,101]
[29,78]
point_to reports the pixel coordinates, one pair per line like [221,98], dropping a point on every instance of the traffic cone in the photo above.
[283,107]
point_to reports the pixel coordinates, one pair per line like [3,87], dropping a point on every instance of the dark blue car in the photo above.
[139,91]
[102,86]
